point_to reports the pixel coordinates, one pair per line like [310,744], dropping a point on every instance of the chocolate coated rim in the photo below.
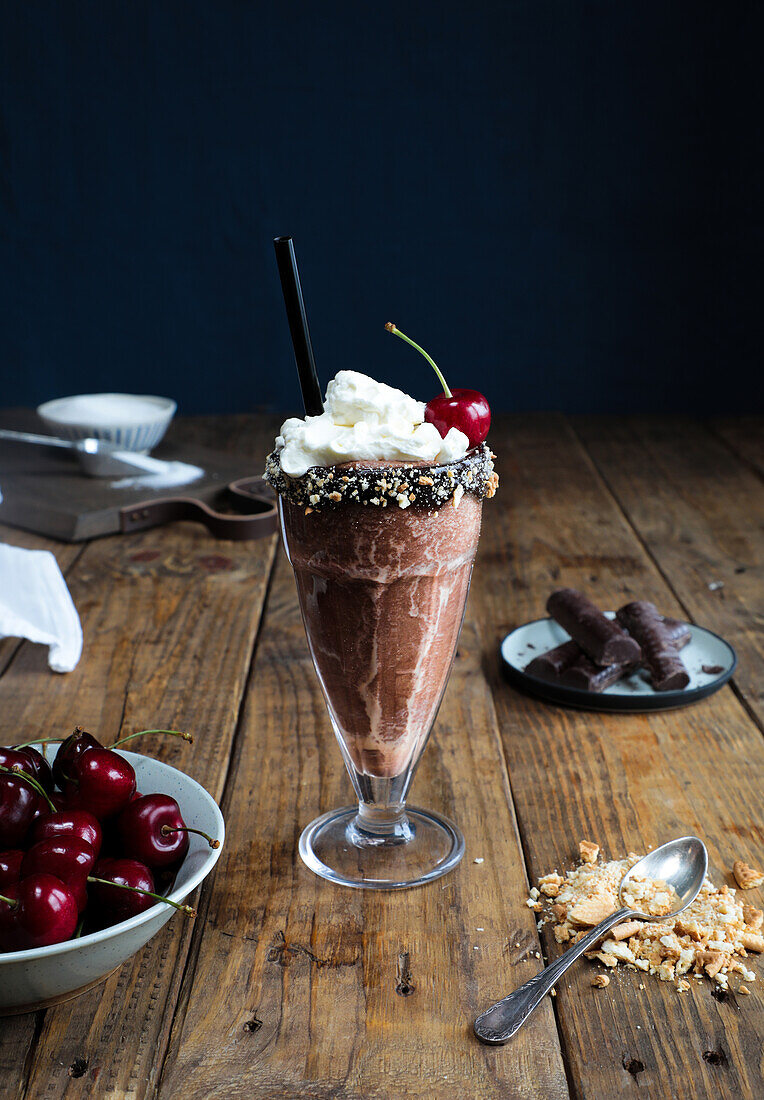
[592,700]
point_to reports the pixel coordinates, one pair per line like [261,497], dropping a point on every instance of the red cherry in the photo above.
[10,867]
[152,830]
[103,783]
[71,749]
[28,760]
[68,858]
[65,823]
[37,911]
[466,410]
[110,904]
[18,804]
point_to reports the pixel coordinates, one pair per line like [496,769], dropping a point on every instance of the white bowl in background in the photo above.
[134,422]
[47,975]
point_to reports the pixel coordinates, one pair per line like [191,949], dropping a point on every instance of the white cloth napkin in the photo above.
[35,604]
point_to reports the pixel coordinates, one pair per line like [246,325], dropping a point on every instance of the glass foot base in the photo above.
[421,848]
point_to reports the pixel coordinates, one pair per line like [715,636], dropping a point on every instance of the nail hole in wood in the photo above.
[404,986]
[633,1066]
[253,1025]
[79,1067]
[715,1057]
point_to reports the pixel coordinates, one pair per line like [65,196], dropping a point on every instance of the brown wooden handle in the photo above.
[152,513]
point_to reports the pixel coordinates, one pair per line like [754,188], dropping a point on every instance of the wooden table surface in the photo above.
[286,986]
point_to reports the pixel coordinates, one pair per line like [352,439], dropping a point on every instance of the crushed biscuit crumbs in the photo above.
[709,938]
[601,981]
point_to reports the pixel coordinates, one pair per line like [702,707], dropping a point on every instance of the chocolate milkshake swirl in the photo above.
[382,593]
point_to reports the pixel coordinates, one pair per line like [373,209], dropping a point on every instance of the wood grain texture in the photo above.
[170,618]
[287,986]
[301,988]
[625,781]
[700,512]
[745,436]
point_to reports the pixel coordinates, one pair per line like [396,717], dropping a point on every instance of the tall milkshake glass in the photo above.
[382,560]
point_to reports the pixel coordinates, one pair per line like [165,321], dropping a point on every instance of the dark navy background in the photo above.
[560,199]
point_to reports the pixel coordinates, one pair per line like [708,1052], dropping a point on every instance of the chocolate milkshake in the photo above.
[382,542]
[382,592]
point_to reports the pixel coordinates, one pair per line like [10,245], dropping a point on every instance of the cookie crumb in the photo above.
[747,878]
[588,851]
[601,980]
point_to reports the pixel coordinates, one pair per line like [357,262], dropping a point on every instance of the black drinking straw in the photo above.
[298,325]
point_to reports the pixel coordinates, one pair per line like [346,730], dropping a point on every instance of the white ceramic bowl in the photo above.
[134,422]
[47,975]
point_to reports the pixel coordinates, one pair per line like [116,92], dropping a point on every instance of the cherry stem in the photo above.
[32,783]
[397,332]
[137,890]
[41,741]
[140,733]
[167,829]
[13,902]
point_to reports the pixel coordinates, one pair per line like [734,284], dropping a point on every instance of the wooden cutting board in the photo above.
[45,491]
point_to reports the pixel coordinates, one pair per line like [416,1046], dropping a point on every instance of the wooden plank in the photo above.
[626,781]
[298,987]
[170,618]
[699,512]
[745,436]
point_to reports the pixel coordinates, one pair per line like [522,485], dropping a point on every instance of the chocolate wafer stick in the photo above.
[659,651]
[601,639]
[552,664]
[568,664]
[587,676]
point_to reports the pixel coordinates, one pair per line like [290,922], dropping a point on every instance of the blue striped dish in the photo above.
[135,431]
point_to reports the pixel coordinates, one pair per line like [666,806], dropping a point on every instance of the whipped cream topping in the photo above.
[364,420]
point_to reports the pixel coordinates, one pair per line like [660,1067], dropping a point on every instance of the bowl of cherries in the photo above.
[99,847]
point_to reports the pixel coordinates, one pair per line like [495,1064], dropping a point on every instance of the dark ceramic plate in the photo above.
[632,693]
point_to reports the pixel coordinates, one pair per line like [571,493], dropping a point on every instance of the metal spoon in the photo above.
[96,457]
[681,863]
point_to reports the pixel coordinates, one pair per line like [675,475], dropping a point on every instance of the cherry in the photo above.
[68,858]
[466,410]
[36,911]
[117,905]
[72,748]
[151,829]
[103,783]
[65,823]
[122,888]
[18,802]
[10,867]
[29,760]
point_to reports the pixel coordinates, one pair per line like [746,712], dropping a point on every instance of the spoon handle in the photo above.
[500,1022]
[33,437]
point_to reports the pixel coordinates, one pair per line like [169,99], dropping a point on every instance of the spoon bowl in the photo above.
[682,864]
